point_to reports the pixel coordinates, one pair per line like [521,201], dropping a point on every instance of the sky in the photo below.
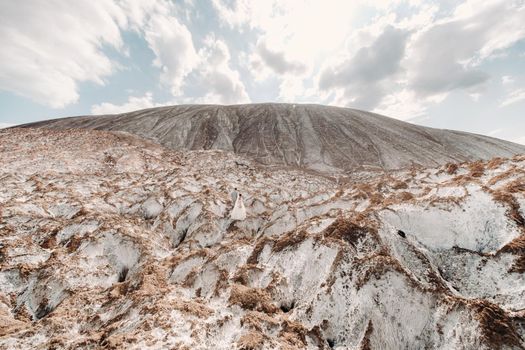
[446,64]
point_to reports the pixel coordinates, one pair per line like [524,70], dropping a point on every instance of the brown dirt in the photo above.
[495,163]
[259,321]
[290,239]
[365,343]
[257,250]
[349,231]
[496,326]
[293,333]
[451,168]
[252,340]
[476,169]
[252,299]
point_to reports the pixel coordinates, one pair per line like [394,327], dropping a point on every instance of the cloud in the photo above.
[301,28]
[495,132]
[401,65]
[436,64]
[292,88]
[215,76]
[507,80]
[170,40]
[398,57]
[172,44]
[6,125]
[360,76]
[48,48]
[446,55]
[520,140]
[370,64]
[402,105]
[238,13]
[515,96]
[277,61]
[290,35]
[212,80]
[134,103]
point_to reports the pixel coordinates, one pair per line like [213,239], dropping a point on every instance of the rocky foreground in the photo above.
[110,241]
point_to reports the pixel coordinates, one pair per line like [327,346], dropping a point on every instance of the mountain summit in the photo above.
[315,137]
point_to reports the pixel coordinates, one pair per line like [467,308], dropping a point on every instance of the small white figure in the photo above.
[239,211]
[234,195]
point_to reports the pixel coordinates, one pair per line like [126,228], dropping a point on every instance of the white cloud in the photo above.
[170,40]
[276,60]
[370,63]
[483,19]
[395,57]
[172,44]
[292,89]
[402,105]
[212,80]
[447,54]
[367,72]
[240,13]
[520,140]
[515,96]
[134,103]
[432,56]
[292,34]
[507,80]
[215,76]
[475,96]
[6,125]
[300,28]
[359,78]
[50,47]
[495,132]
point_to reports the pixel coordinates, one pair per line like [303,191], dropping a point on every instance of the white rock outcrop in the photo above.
[94,254]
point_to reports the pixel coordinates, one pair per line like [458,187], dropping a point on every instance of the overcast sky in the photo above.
[447,64]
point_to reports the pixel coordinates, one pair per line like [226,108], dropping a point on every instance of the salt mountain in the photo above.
[121,241]
[310,136]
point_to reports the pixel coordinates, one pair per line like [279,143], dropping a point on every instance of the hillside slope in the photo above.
[309,136]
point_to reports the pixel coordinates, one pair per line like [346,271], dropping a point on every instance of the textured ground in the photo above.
[109,241]
[310,136]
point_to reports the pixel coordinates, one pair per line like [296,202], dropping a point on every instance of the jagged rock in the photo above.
[64,210]
[317,263]
[151,208]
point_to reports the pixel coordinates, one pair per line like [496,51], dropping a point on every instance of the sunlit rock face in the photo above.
[322,138]
[111,241]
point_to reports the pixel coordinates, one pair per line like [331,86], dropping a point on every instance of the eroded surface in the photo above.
[322,138]
[107,240]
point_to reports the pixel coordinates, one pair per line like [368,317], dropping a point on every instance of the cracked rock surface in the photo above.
[108,240]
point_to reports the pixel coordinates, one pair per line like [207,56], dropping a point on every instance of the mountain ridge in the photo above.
[317,137]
